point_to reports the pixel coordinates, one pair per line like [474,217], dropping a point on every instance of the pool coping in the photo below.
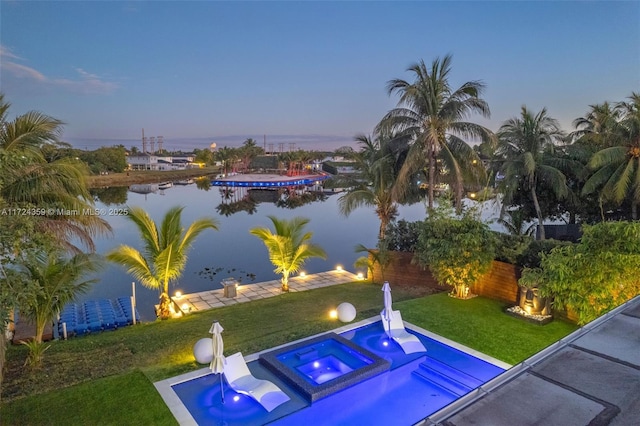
[184,417]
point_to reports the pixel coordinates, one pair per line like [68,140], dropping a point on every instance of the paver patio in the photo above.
[245,293]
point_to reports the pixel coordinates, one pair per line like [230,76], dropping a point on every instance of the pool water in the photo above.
[410,389]
[324,369]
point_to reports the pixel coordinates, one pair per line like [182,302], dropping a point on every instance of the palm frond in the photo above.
[135,264]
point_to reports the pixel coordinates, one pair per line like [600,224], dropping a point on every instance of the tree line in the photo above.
[539,171]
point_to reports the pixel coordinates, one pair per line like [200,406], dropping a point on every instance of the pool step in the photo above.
[452,372]
[441,379]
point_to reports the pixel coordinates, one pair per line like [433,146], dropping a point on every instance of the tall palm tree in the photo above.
[431,112]
[377,182]
[527,145]
[597,128]
[289,246]
[60,280]
[617,168]
[165,251]
[58,187]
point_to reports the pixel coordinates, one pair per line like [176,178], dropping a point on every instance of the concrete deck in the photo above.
[591,377]
[245,293]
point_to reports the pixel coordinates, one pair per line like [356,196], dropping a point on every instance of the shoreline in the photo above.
[147,176]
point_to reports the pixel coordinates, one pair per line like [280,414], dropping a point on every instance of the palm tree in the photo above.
[58,187]
[516,224]
[597,128]
[289,247]
[227,156]
[165,251]
[617,167]
[59,279]
[248,151]
[527,145]
[431,113]
[376,184]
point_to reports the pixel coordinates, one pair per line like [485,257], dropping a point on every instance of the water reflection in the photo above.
[241,199]
[110,195]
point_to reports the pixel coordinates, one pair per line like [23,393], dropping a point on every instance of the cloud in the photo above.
[84,83]
[6,53]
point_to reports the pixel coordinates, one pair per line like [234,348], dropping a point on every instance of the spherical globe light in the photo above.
[203,351]
[346,312]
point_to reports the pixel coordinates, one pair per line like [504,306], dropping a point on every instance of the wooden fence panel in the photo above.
[501,282]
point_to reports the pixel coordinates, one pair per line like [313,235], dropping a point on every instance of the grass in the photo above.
[104,378]
[126,399]
[481,324]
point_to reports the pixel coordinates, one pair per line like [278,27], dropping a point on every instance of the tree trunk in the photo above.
[164,311]
[538,212]
[39,330]
[3,348]
[432,173]
[383,228]
[285,281]
[634,210]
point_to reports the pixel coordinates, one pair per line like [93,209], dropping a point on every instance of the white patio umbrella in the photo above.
[218,361]
[387,312]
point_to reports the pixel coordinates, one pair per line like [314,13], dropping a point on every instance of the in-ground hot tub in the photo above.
[324,365]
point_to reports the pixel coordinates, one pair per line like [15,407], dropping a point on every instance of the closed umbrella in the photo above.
[218,361]
[387,312]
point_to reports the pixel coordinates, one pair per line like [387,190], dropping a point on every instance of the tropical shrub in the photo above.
[458,251]
[593,276]
[380,256]
[509,248]
[531,256]
[402,236]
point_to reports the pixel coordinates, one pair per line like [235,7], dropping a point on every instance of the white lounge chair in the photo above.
[409,342]
[242,381]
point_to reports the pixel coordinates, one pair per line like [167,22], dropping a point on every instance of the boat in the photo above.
[144,188]
[165,185]
[184,182]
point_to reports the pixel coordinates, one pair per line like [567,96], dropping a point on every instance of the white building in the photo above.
[146,161]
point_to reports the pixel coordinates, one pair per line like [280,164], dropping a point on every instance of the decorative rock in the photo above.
[203,351]
[346,312]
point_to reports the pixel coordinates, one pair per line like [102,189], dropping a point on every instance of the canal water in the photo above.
[231,251]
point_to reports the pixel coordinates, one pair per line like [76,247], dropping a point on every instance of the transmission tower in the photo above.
[144,143]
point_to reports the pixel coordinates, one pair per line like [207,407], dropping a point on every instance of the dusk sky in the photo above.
[307,72]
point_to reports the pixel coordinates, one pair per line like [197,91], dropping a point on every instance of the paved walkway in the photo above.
[248,292]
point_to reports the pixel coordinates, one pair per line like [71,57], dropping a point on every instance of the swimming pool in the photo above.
[324,365]
[413,387]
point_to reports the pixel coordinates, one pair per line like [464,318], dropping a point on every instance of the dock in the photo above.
[245,293]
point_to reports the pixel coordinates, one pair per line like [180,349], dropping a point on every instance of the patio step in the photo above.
[452,372]
[440,379]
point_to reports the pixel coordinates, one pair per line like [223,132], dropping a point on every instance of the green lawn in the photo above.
[481,324]
[107,378]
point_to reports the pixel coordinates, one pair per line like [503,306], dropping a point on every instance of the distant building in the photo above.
[145,161]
